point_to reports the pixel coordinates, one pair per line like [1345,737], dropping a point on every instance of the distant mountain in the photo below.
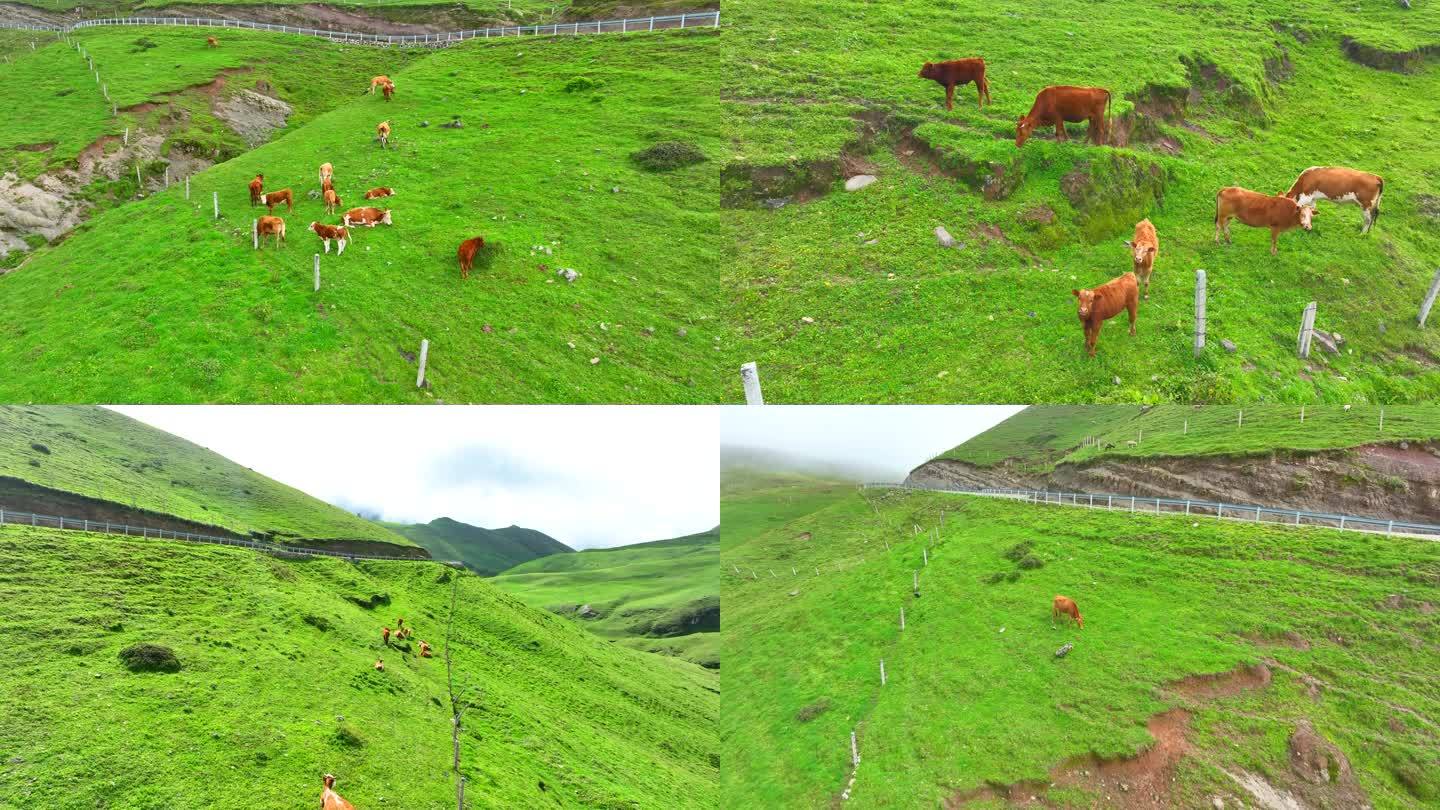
[485,551]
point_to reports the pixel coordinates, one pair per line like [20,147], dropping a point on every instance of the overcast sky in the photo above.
[877,442]
[587,476]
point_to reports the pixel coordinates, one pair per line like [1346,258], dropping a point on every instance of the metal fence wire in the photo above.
[699,19]
[10,516]
[1252,513]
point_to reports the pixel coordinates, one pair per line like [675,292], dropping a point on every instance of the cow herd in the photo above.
[1061,104]
[341,233]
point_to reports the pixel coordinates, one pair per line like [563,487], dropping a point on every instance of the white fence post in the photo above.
[424,352]
[216,199]
[902,618]
[1199,312]
[854,752]
[915,582]
[882,671]
[750,377]
[1307,329]
[255,233]
[926,555]
[187,186]
[317,272]
[1429,299]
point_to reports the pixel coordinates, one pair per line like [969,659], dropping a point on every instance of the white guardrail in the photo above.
[12,517]
[1230,511]
[698,19]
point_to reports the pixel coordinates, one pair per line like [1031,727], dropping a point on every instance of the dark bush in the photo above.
[668,155]
[347,736]
[995,578]
[1013,576]
[143,44]
[318,622]
[38,447]
[812,711]
[1018,551]
[1030,562]
[373,602]
[583,84]
[149,658]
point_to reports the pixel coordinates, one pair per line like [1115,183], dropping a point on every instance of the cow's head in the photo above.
[315,226]
[929,71]
[1140,253]
[1023,128]
[1307,213]
[329,780]
[385,218]
[1085,301]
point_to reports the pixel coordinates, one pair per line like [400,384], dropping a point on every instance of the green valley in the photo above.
[487,552]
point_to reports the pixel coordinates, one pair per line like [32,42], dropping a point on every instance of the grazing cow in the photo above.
[1340,185]
[1143,250]
[385,635]
[256,186]
[271,199]
[212,42]
[382,132]
[369,217]
[377,193]
[332,200]
[1102,303]
[328,232]
[380,664]
[388,89]
[1066,606]
[424,650]
[266,226]
[379,81]
[957,72]
[330,800]
[1061,103]
[327,176]
[1278,213]
[467,252]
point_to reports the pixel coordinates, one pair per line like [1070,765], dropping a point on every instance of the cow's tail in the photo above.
[1379,194]
[1108,96]
[1217,206]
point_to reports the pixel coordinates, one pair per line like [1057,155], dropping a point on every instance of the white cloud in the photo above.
[587,476]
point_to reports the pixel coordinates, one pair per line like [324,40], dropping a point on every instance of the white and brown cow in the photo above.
[328,232]
[369,217]
[1340,185]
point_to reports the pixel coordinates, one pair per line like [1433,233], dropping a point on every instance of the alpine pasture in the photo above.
[1216,658]
[158,301]
[849,296]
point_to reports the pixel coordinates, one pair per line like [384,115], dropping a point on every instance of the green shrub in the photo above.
[583,84]
[1018,551]
[668,155]
[348,736]
[149,658]
[813,710]
[1030,562]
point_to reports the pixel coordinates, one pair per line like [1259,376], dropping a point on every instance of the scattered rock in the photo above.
[424,124]
[859,181]
[586,612]
[794,593]
[775,202]
[1326,341]
[456,124]
[1064,651]
[568,274]
[807,319]
[1115,379]
[253,117]
[681,332]
[943,237]
[1228,345]
[1217,803]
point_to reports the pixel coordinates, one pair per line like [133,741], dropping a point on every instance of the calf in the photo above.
[1278,213]
[330,800]
[467,252]
[388,89]
[332,200]
[385,635]
[957,72]
[1065,606]
[265,226]
[380,664]
[327,176]
[274,198]
[328,232]
[369,217]
[1143,250]
[1105,302]
[212,42]
[256,186]
[379,81]
[424,650]
[1340,185]
[377,193]
[1061,103]
[382,133]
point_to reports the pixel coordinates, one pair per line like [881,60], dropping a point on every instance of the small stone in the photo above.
[1002,629]
[614,189]
[807,319]
[1382,327]
[1064,651]
[570,343]
[943,237]
[1227,345]
[872,241]
[1217,803]
[859,181]
[775,202]
[1115,380]
[794,593]
[594,361]
[681,332]
[568,274]
[1031,313]
[424,124]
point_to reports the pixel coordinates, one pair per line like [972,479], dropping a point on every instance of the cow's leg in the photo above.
[950,96]
[1133,304]
[1274,238]
[1060,134]
[1092,335]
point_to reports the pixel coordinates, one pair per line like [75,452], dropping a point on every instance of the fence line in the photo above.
[1247,512]
[699,19]
[106,527]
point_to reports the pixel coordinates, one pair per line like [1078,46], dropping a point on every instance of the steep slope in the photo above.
[541,167]
[817,92]
[276,687]
[69,459]
[660,596]
[485,551]
[1215,658]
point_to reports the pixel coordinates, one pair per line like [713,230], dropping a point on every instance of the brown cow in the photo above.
[256,186]
[388,89]
[382,133]
[1143,250]
[424,650]
[957,72]
[467,252]
[273,198]
[380,664]
[379,81]
[369,217]
[332,200]
[1340,185]
[327,176]
[1278,213]
[377,193]
[265,226]
[1065,606]
[1061,103]
[385,635]
[1102,303]
[328,232]
[212,42]
[330,800]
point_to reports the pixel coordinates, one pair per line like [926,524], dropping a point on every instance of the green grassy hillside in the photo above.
[485,551]
[277,687]
[101,454]
[182,309]
[848,297]
[976,701]
[490,9]
[1042,436]
[660,596]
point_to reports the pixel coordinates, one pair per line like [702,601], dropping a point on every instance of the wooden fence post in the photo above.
[750,377]
[1429,299]
[420,378]
[1307,329]
[1382,420]
[1199,312]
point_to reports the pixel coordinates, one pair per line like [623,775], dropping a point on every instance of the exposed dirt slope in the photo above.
[1400,481]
